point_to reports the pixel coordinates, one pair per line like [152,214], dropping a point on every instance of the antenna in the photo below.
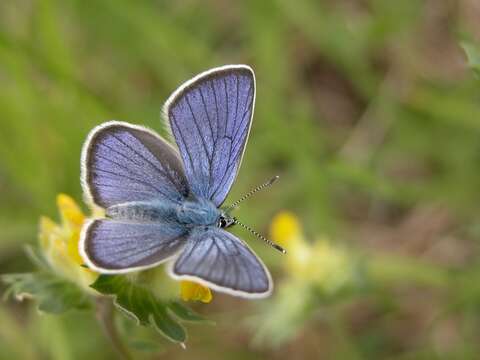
[250,193]
[260,236]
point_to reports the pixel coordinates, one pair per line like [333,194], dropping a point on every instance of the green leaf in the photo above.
[185,313]
[140,304]
[472,51]
[53,294]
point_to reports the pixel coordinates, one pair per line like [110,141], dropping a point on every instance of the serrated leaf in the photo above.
[53,294]
[139,303]
[185,313]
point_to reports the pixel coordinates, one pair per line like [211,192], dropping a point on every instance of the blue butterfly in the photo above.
[163,205]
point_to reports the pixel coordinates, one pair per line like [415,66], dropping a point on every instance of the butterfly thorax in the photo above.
[198,211]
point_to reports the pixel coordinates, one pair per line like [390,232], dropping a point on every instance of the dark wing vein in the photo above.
[216,107]
[161,171]
[240,141]
[126,188]
[127,177]
[214,262]
[142,250]
[226,107]
[130,160]
[184,258]
[224,258]
[207,153]
[206,112]
[246,265]
[227,168]
[183,142]
[246,110]
[236,104]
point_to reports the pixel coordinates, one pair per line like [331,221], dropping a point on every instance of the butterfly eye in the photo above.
[222,222]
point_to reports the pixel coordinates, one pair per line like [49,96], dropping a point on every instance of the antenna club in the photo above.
[260,236]
[272,180]
[279,248]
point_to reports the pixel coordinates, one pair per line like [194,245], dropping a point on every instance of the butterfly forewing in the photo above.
[123,162]
[223,262]
[210,118]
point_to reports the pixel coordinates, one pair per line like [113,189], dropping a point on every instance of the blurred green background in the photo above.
[367,109]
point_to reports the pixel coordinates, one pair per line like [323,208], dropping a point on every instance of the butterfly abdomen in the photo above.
[143,211]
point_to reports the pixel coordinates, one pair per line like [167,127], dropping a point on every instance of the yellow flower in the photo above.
[285,229]
[320,263]
[190,290]
[334,268]
[59,242]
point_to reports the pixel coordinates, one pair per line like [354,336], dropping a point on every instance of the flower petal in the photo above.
[47,227]
[286,230]
[190,290]
[60,242]
[70,212]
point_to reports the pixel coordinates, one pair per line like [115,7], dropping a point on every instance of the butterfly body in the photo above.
[190,212]
[163,204]
[198,212]
[144,211]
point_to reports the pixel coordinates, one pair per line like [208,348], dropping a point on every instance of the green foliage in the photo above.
[53,294]
[140,304]
[368,110]
[185,313]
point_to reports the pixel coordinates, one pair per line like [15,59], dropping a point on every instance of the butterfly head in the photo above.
[225,220]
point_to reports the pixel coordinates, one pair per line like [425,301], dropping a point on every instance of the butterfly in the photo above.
[165,205]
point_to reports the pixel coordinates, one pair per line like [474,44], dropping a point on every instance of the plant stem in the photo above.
[105,316]
[13,336]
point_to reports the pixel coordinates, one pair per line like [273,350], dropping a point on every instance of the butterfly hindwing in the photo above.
[210,117]
[110,246]
[123,162]
[223,262]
